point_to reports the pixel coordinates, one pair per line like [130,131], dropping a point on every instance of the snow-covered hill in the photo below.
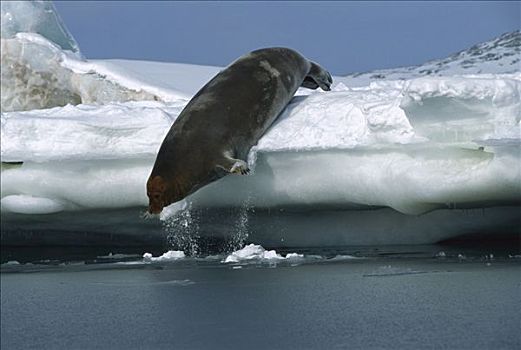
[501,55]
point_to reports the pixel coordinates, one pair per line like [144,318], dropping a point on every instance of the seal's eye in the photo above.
[154,195]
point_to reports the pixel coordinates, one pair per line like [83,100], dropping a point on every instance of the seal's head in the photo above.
[161,193]
[158,194]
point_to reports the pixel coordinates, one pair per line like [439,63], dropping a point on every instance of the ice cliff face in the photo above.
[42,66]
[39,17]
[409,151]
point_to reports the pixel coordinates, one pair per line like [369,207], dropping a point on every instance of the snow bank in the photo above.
[414,145]
[87,132]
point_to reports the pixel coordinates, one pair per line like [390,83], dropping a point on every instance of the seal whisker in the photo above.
[147,215]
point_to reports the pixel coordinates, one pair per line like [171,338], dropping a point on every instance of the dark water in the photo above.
[467,297]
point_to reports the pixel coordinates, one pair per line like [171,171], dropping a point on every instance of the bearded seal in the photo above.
[213,134]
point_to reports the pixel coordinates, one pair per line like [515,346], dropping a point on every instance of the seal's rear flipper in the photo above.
[318,77]
[234,166]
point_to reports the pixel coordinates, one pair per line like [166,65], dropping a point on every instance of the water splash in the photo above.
[182,230]
[252,161]
[241,228]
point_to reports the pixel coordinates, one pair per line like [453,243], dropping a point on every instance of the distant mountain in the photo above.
[500,55]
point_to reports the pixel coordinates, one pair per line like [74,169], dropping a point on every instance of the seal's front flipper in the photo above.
[318,77]
[234,166]
[240,167]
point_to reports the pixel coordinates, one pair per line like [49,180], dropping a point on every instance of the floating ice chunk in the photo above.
[257,252]
[11,262]
[252,252]
[270,255]
[26,204]
[294,256]
[171,255]
[441,255]
[394,271]
[117,256]
[344,257]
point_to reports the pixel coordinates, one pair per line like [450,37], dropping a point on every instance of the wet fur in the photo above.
[226,118]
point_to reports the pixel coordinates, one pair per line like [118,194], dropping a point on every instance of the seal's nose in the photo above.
[155,204]
[154,209]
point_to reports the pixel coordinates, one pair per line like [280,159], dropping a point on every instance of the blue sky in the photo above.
[343,36]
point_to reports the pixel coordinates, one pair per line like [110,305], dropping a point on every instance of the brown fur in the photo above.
[215,131]
[161,193]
